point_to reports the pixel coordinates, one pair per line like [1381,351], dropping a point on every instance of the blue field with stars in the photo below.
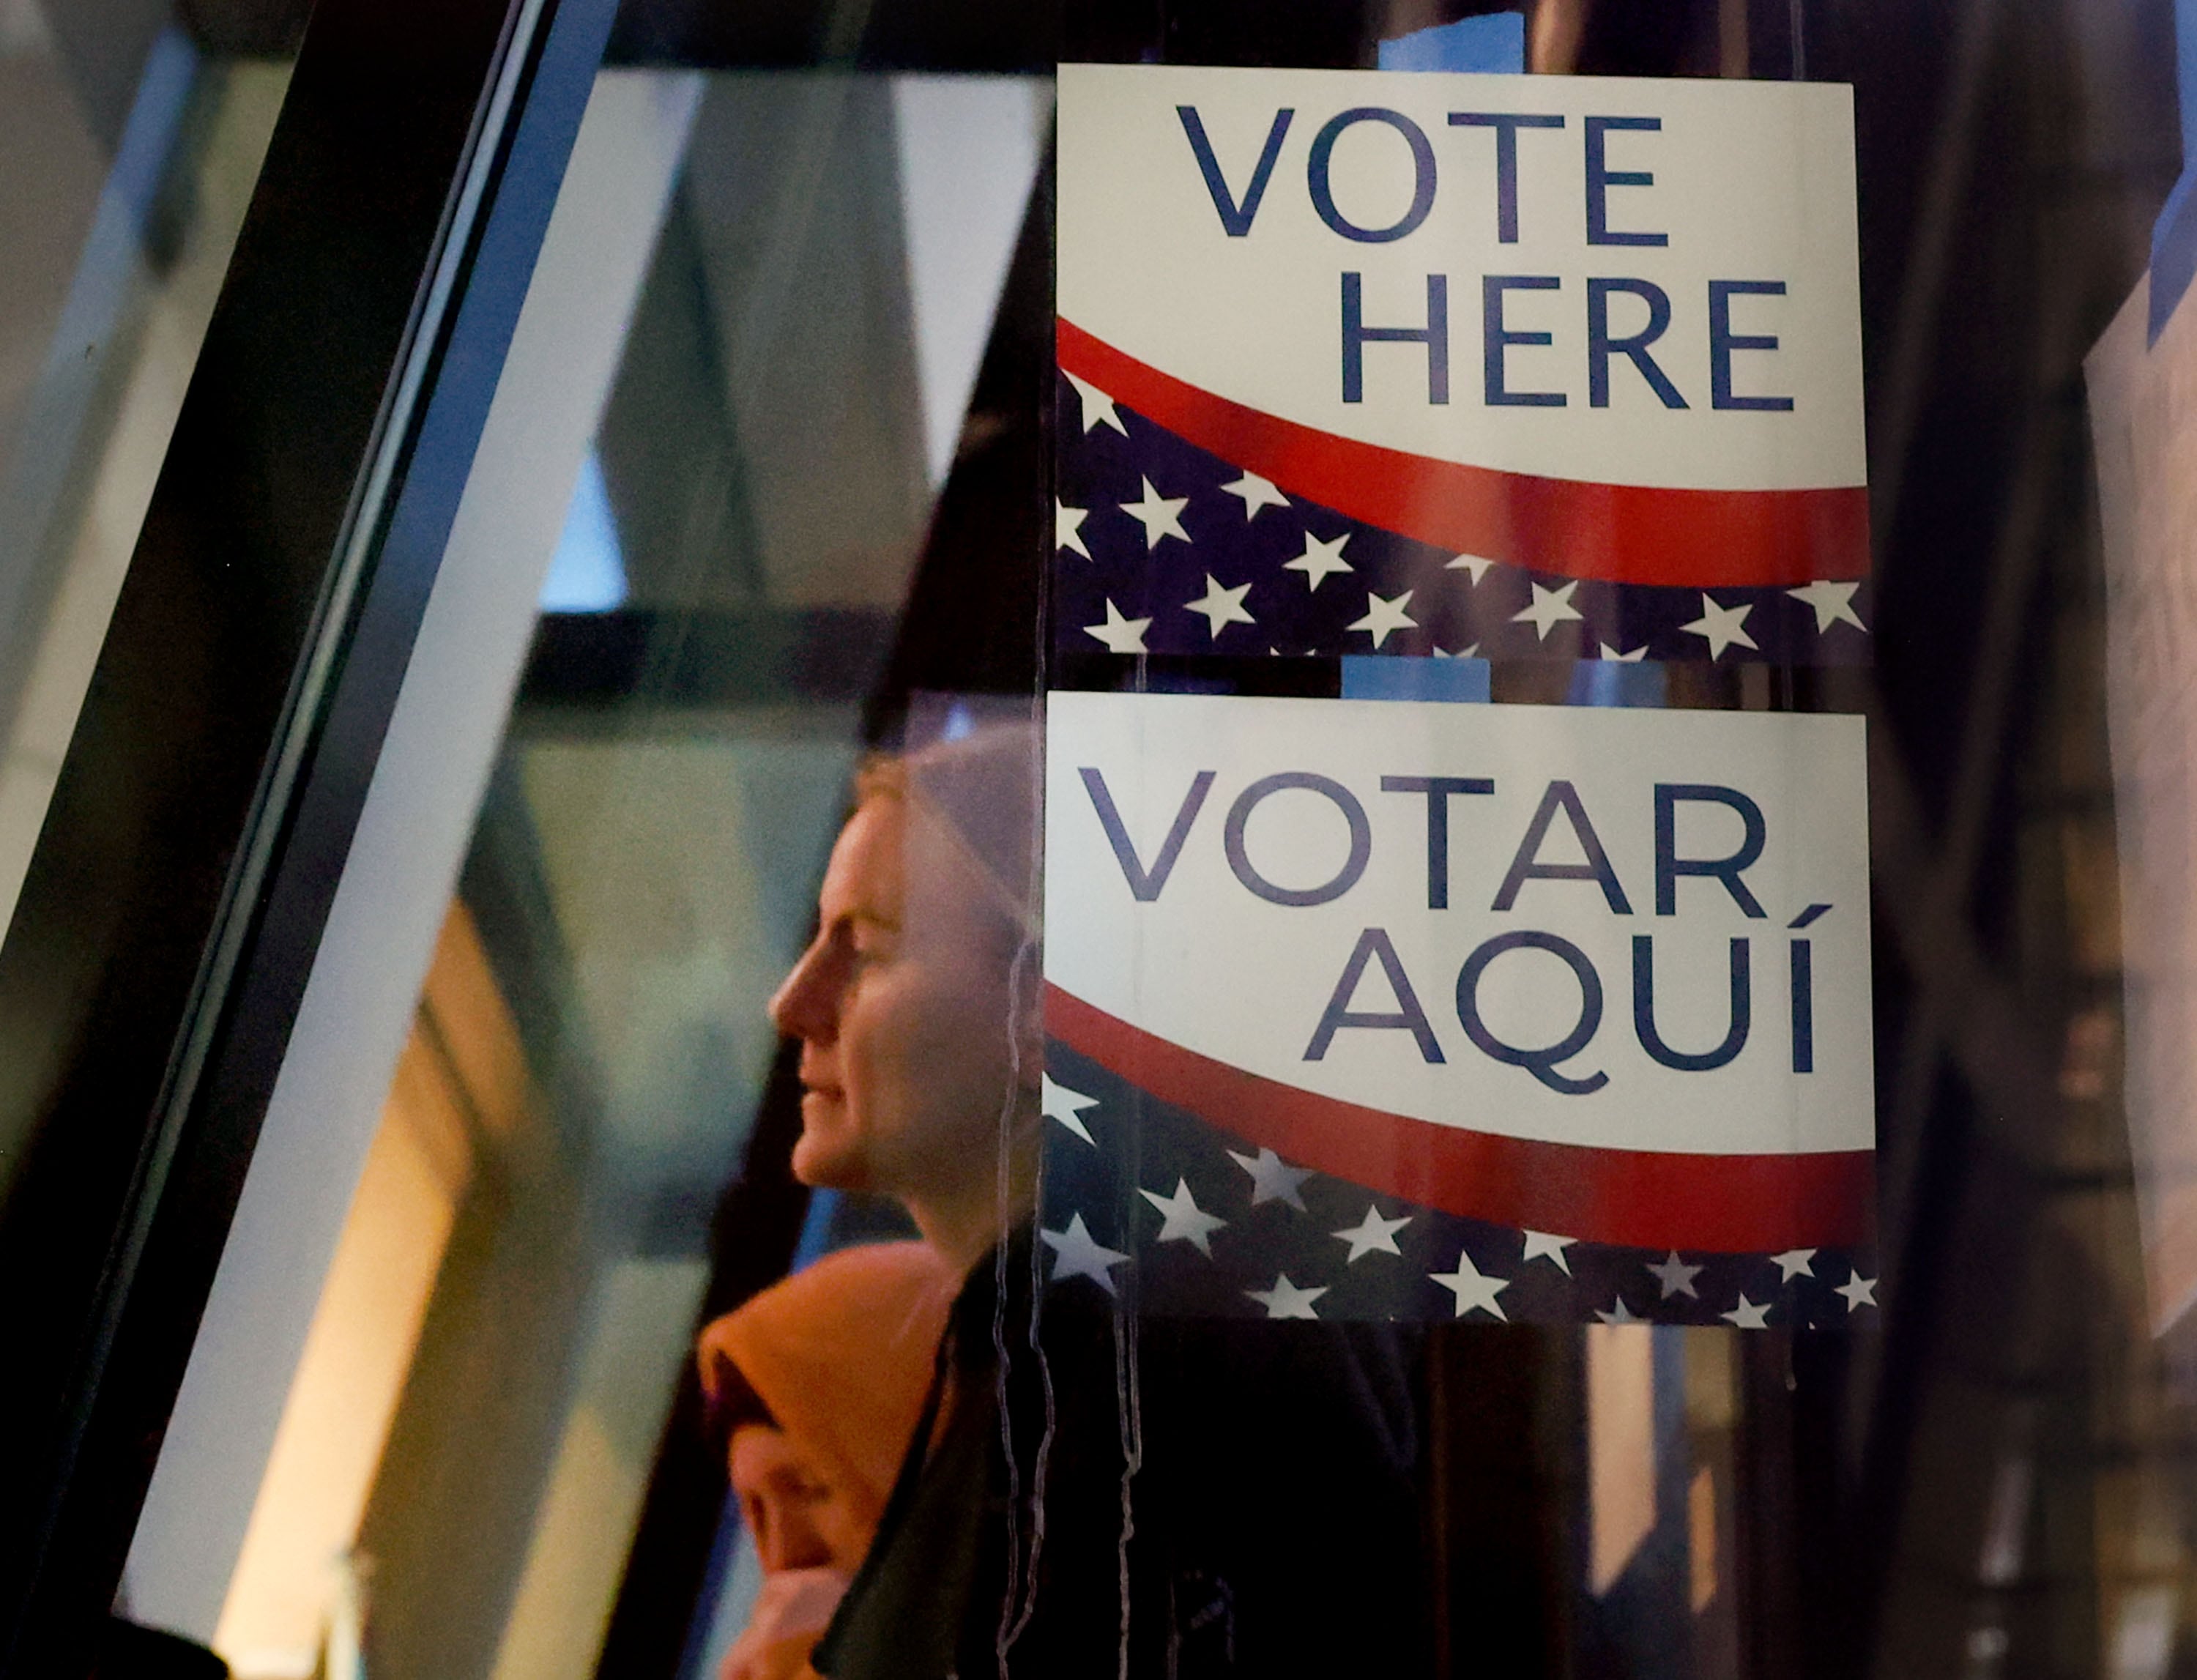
[1176,1217]
[1162,547]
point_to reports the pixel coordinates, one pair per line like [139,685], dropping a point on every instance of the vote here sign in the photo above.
[1576,998]
[1601,334]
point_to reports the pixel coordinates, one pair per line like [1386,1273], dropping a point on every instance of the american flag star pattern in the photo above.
[1163,548]
[1176,1217]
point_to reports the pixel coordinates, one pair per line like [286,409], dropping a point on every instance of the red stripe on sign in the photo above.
[1617,533]
[1634,1198]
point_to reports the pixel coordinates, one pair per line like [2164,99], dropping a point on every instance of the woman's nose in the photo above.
[806,1005]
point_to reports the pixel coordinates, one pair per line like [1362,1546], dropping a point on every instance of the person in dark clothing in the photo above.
[1089,1493]
[1106,1496]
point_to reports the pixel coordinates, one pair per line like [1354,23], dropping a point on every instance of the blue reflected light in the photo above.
[589,572]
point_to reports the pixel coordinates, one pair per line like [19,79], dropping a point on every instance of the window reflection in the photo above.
[106,291]
[806,536]
[495,1457]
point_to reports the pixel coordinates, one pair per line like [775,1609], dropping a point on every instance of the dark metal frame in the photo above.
[175,903]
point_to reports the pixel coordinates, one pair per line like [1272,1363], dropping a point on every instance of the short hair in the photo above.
[880,775]
[983,789]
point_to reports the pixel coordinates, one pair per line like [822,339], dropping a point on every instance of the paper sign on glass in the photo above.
[1521,367]
[1383,1009]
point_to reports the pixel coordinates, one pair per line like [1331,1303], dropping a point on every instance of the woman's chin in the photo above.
[823,1161]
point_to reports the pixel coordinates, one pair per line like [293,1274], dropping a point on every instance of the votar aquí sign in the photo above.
[1602,973]
[1593,326]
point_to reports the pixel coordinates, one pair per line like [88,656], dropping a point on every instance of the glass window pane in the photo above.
[510,1378]
[766,305]
[112,267]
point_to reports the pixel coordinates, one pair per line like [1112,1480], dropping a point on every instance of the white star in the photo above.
[1551,608]
[1077,1254]
[1159,515]
[1068,527]
[1221,606]
[1858,1290]
[1472,1288]
[1372,1232]
[1097,405]
[1721,625]
[1319,559]
[1182,1219]
[1472,562]
[1257,493]
[1058,1103]
[1619,1314]
[1632,659]
[1273,1179]
[1746,1315]
[1471,651]
[1121,635]
[1677,1277]
[1794,1263]
[1832,603]
[1539,1245]
[1286,1301]
[1384,616]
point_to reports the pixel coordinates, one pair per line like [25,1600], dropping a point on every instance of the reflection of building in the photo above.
[459,1094]
[641,870]
[82,436]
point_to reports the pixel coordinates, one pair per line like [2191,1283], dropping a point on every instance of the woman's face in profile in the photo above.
[902,1005]
[799,1518]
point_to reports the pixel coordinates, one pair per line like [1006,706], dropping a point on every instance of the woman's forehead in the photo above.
[897,864]
[866,876]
